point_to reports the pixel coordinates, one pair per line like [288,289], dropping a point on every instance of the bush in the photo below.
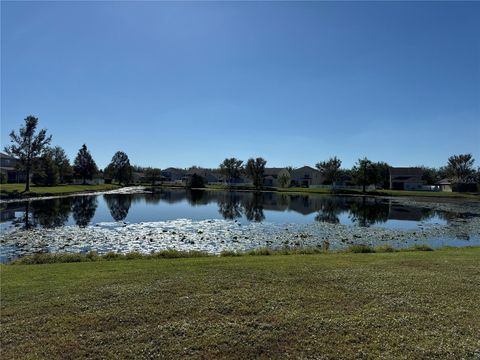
[421,247]
[196,181]
[385,249]
[360,249]
[230,253]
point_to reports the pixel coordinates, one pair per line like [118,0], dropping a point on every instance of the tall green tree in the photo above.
[330,169]
[381,174]
[120,168]
[27,145]
[84,165]
[363,172]
[460,167]
[45,171]
[60,158]
[231,168]
[255,170]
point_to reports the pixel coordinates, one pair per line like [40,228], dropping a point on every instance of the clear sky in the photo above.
[180,84]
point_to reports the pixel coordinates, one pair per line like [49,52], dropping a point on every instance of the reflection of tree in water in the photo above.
[52,213]
[254,208]
[46,213]
[229,206]
[83,209]
[197,197]
[118,205]
[367,212]
[329,210]
[26,220]
[153,198]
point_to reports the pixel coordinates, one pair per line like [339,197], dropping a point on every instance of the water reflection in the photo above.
[83,209]
[118,205]
[247,206]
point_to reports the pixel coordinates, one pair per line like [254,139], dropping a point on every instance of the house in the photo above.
[406,178]
[306,176]
[173,175]
[271,176]
[9,167]
[445,185]
[208,175]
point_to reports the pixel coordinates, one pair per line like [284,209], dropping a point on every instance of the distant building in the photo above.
[173,175]
[306,176]
[406,178]
[9,167]
[271,176]
[209,177]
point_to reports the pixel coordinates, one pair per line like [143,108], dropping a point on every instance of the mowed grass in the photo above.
[9,189]
[410,305]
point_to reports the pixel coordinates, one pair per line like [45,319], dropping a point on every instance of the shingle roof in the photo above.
[407,171]
[272,171]
[6,156]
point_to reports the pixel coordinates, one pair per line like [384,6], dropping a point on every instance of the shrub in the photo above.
[385,249]
[421,247]
[360,249]
[261,251]
[230,253]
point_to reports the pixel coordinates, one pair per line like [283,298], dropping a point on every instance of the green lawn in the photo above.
[10,189]
[406,305]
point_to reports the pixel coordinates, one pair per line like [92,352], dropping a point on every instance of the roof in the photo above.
[444,182]
[407,171]
[272,171]
[6,156]
[174,170]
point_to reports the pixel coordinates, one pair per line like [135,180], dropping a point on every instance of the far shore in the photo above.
[15,191]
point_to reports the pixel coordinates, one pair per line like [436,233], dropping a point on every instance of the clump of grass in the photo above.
[261,251]
[230,253]
[51,259]
[420,247]
[385,249]
[175,254]
[360,249]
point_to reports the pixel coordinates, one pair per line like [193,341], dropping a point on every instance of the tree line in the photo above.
[47,165]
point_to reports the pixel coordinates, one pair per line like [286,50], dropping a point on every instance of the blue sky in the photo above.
[180,84]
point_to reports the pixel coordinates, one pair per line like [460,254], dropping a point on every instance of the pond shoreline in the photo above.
[215,222]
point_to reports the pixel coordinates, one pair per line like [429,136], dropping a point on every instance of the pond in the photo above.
[214,221]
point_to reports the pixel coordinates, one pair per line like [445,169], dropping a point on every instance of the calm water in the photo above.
[216,221]
[244,207]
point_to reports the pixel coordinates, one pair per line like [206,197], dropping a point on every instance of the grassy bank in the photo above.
[433,194]
[16,190]
[391,305]
[52,258]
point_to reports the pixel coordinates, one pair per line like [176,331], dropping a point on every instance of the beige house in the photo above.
[406,178]
[306,176]
[272,175]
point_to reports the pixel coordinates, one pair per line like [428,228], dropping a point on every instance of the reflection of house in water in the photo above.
[401,212]
[8,214]
[274,202]
[303,204]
